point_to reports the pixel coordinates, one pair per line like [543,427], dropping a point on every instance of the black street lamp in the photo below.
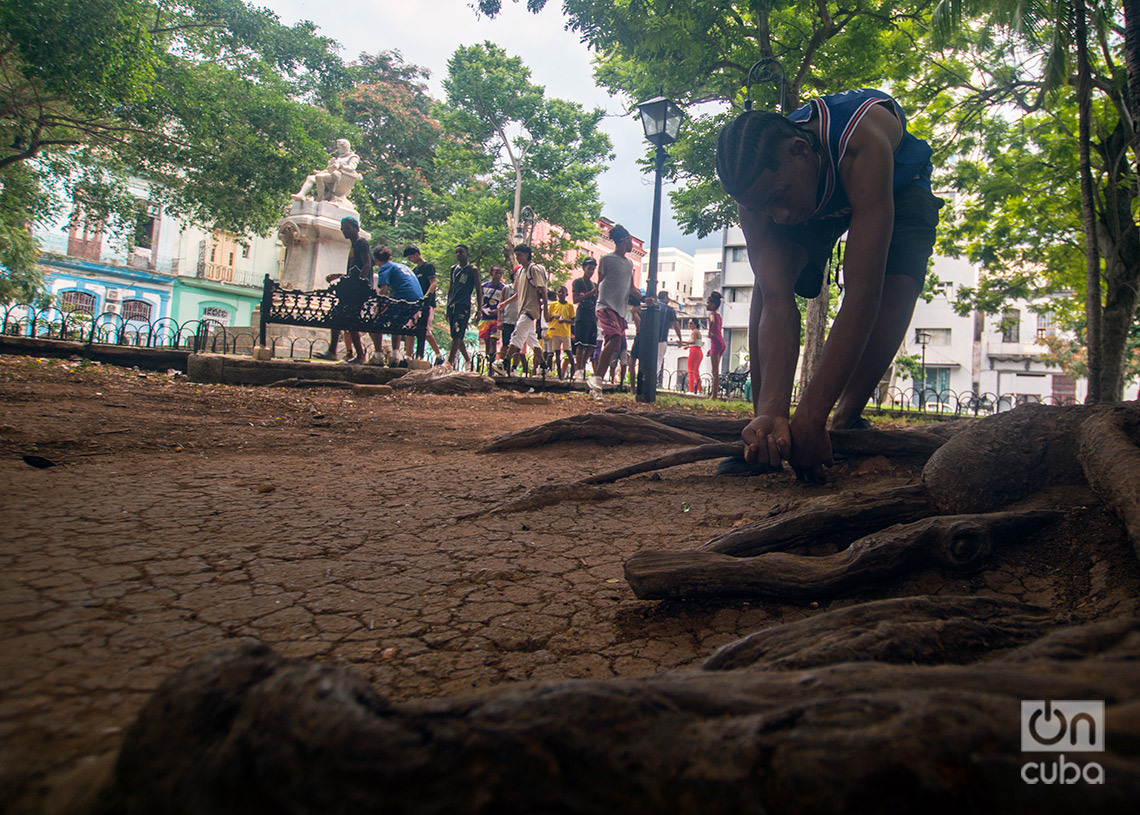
[525,228]
[923,338]
[661,118]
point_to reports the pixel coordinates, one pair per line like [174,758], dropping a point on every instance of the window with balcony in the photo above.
[1045,326]
[84,237]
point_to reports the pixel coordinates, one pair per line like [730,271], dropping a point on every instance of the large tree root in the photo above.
[607,428]
[620,427]
[1110,458]
[836,520]
[900,631]
[958,542]
[244,730]
[862,442]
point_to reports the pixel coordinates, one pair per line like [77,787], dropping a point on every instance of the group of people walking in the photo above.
[516,313]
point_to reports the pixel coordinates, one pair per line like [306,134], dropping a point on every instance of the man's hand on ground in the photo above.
[810,451]
[767,440]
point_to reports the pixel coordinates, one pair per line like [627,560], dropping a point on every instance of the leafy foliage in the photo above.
[548,151]
[216,102]
[398,137]
[505,143]
[701,51]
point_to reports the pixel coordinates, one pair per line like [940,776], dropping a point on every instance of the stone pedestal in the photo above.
[314,245]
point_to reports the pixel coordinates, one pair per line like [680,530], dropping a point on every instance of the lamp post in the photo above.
[923,338]
[661,119]
[525,227]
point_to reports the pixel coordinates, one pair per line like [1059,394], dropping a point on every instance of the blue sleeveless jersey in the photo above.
[839,115]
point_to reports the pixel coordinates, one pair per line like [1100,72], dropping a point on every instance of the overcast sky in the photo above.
[427,32]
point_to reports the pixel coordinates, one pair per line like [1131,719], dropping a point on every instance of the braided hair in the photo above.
[750,144]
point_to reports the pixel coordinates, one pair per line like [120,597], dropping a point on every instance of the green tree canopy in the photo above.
[215,102]
[507,144]
[700,52]
[391,109]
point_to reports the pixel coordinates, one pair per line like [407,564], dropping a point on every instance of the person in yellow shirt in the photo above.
[560,316]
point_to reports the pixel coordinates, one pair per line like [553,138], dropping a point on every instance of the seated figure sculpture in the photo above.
[333,183]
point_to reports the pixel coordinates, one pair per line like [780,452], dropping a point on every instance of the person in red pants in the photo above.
[696,356]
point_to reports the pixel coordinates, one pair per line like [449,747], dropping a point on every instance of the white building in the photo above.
[706,275]
[736,289]
[675,271]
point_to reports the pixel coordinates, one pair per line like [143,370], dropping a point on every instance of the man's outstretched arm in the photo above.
[774,332]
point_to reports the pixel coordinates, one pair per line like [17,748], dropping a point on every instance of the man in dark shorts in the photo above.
[464,284]
[585,297]
[353,288]
[843,162]
[425,273]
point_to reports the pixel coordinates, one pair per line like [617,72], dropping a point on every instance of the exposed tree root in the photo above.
[901,631]
[700,453]
[245,730]
[1110,458]
[294,382]
[546,495]
[836,520]
[957,542]
[607,428]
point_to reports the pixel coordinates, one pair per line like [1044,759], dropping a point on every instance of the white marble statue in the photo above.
[336,180]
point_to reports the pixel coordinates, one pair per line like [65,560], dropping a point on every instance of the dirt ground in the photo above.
[179,516]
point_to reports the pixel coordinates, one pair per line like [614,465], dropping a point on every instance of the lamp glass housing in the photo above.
[661,119]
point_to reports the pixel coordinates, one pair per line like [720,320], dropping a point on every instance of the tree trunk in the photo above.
[1093,335]
[1120,248]
[815,332]
[1132,55]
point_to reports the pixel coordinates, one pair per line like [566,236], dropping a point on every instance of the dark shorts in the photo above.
[585,327]
[458,320]
[912,241]
[508,329]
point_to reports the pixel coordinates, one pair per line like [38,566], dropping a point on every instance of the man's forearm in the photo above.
[777,349]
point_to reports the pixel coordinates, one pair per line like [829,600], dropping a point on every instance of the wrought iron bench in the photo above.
[326,308]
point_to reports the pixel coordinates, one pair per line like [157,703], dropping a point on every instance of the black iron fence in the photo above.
[110,328]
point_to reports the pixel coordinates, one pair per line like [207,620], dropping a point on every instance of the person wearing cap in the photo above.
[352,290]
[425,273]
[584,295]
[615,290]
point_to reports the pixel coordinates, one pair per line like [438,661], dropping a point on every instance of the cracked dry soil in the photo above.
[178,516]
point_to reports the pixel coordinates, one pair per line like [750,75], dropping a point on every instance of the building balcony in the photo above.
[219,273]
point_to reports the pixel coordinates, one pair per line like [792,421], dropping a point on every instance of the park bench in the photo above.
[348,305]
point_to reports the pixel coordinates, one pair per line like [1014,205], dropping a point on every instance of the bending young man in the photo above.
[843,162]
